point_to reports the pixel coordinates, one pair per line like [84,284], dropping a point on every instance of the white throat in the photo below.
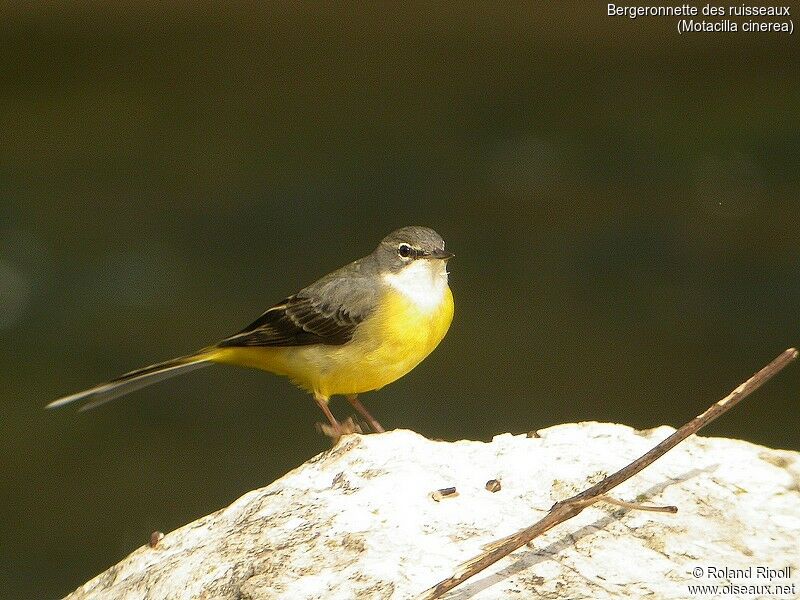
[422,281]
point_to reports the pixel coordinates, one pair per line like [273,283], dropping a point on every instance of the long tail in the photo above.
[135,380]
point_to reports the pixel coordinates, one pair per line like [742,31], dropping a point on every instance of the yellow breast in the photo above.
[406,334]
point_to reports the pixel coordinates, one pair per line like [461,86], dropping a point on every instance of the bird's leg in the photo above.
[335,430]
[356,403]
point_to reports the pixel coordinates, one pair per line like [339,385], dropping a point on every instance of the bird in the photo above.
[352,331]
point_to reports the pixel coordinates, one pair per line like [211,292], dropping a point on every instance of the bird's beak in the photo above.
[440,253]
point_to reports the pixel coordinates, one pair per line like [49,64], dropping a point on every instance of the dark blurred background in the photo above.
[623,203]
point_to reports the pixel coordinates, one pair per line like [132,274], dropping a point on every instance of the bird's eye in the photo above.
[404,250]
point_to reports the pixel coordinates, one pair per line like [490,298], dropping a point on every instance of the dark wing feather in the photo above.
[326,312]
[297,321]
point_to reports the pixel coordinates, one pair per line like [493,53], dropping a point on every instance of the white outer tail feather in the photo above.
[130,382]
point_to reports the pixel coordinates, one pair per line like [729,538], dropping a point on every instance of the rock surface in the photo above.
[358,522]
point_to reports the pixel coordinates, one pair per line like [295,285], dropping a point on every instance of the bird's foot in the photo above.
[371,421]
[341,428]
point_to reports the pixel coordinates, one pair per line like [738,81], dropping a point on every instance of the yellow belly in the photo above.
[388,344]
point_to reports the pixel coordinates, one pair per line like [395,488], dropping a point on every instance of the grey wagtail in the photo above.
[355,330]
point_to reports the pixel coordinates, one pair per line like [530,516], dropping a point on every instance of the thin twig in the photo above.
[566,509]
[637,506]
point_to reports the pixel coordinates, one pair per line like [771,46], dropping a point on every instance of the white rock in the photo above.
[358,521]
